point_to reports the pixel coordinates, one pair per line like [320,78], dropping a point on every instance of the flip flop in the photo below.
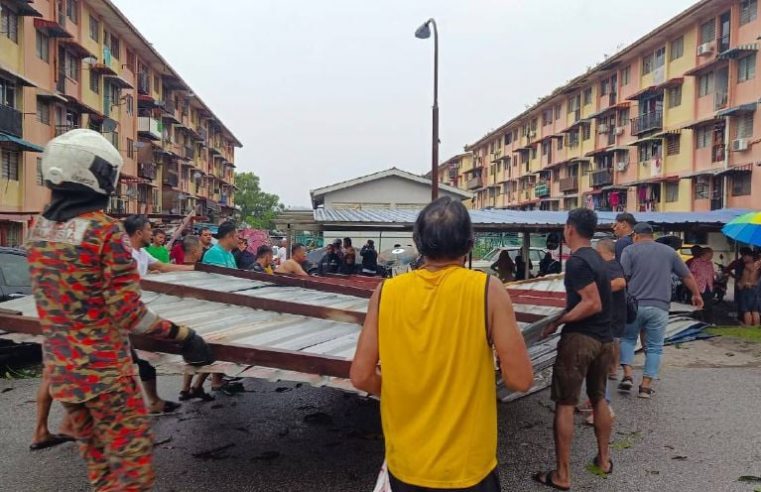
[169,407]
[547,480]
[596,462]
[53,440]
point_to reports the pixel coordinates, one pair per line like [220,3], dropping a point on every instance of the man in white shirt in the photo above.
[282,252]
[139,231]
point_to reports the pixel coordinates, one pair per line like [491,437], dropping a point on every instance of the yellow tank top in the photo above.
[438,390]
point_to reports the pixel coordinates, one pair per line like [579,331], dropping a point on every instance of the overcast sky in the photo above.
[320,91]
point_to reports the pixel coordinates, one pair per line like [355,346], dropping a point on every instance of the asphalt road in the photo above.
[701,432]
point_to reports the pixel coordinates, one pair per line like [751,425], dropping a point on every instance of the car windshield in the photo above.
[15,270]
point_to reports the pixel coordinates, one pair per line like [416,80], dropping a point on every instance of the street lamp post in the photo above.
[424,32]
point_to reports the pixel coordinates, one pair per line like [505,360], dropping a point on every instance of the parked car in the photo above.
[14,274]
[485,263]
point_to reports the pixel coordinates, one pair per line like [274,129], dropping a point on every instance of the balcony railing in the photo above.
[602,177]
[475,182]
[169,107]
[143,83]
[61,129]
[646,122]
[717,153]
[720,100]
[149,127]
[189,152]
[146,170]
[569,184]
[10,121]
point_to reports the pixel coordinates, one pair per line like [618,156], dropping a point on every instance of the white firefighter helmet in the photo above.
[81,158]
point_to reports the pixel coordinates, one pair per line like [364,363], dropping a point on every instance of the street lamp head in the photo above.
[424,31]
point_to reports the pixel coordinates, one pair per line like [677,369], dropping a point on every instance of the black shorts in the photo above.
[488,484]
[747,300]
[581,357]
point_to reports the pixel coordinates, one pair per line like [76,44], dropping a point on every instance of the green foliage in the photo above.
[258,208]
[747,333]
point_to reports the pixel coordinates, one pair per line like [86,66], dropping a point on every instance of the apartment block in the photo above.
[670,123]
[68,64]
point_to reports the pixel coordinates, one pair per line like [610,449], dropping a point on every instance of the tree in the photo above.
[258,208]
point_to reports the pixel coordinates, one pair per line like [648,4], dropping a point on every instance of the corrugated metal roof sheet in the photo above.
[519,218]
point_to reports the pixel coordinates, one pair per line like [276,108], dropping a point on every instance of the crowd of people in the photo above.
[617,294]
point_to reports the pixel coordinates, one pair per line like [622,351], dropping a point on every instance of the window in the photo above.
[626,74]
[702,188]
[741,184]
[672,192]
[560,144]
[8,24]
[587,96]
[38,176]
[557,111]
[129,102]
[746,68]
[71,66]
[703,137]
[673,144]
[94,29]
[71,11]
[623,117]
[573,139]
[660,57]
[533,152]
[745,126]
[10,165]
[708,31]
[547,117]
[574,103]
[705,84]
[94,82]
[156,83]
[115,47]
[675,96]
[677,48]
[43,112]
[748,11]
[647,64]
[131,60]
[130,148]
[586,131]
[508,138]
[546,147]
[604,87]
[533,125]
[585,168]
[43,47]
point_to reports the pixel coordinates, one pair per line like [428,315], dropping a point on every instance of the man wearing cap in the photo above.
[87,290]
[648,265]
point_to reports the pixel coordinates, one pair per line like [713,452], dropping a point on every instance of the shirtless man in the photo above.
[293,265]
[747,292]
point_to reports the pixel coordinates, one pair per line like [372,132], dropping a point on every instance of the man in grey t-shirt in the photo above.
[648,267]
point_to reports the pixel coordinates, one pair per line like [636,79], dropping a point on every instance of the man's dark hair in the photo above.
[202,230]
[746,251]
[296,247]
[370,242]
[226,229]
[695,249]
[443,230]
[263,251]
[584,221]
[135,223]
[347,242]
[157,232]
[626,217]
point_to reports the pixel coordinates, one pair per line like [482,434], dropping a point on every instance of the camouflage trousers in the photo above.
[115,439]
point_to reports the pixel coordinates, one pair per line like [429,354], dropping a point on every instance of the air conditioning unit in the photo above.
[621,166]
[620,130]
[602,128]
[705,49]
[739,145]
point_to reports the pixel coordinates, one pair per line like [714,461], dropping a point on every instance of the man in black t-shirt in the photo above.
[607,250]
[585,348]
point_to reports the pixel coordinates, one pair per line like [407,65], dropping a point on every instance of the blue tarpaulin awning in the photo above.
[28,146]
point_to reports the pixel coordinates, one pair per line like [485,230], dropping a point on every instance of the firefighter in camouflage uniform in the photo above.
[87,291]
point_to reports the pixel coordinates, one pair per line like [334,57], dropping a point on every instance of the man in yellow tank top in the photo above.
[432,332]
